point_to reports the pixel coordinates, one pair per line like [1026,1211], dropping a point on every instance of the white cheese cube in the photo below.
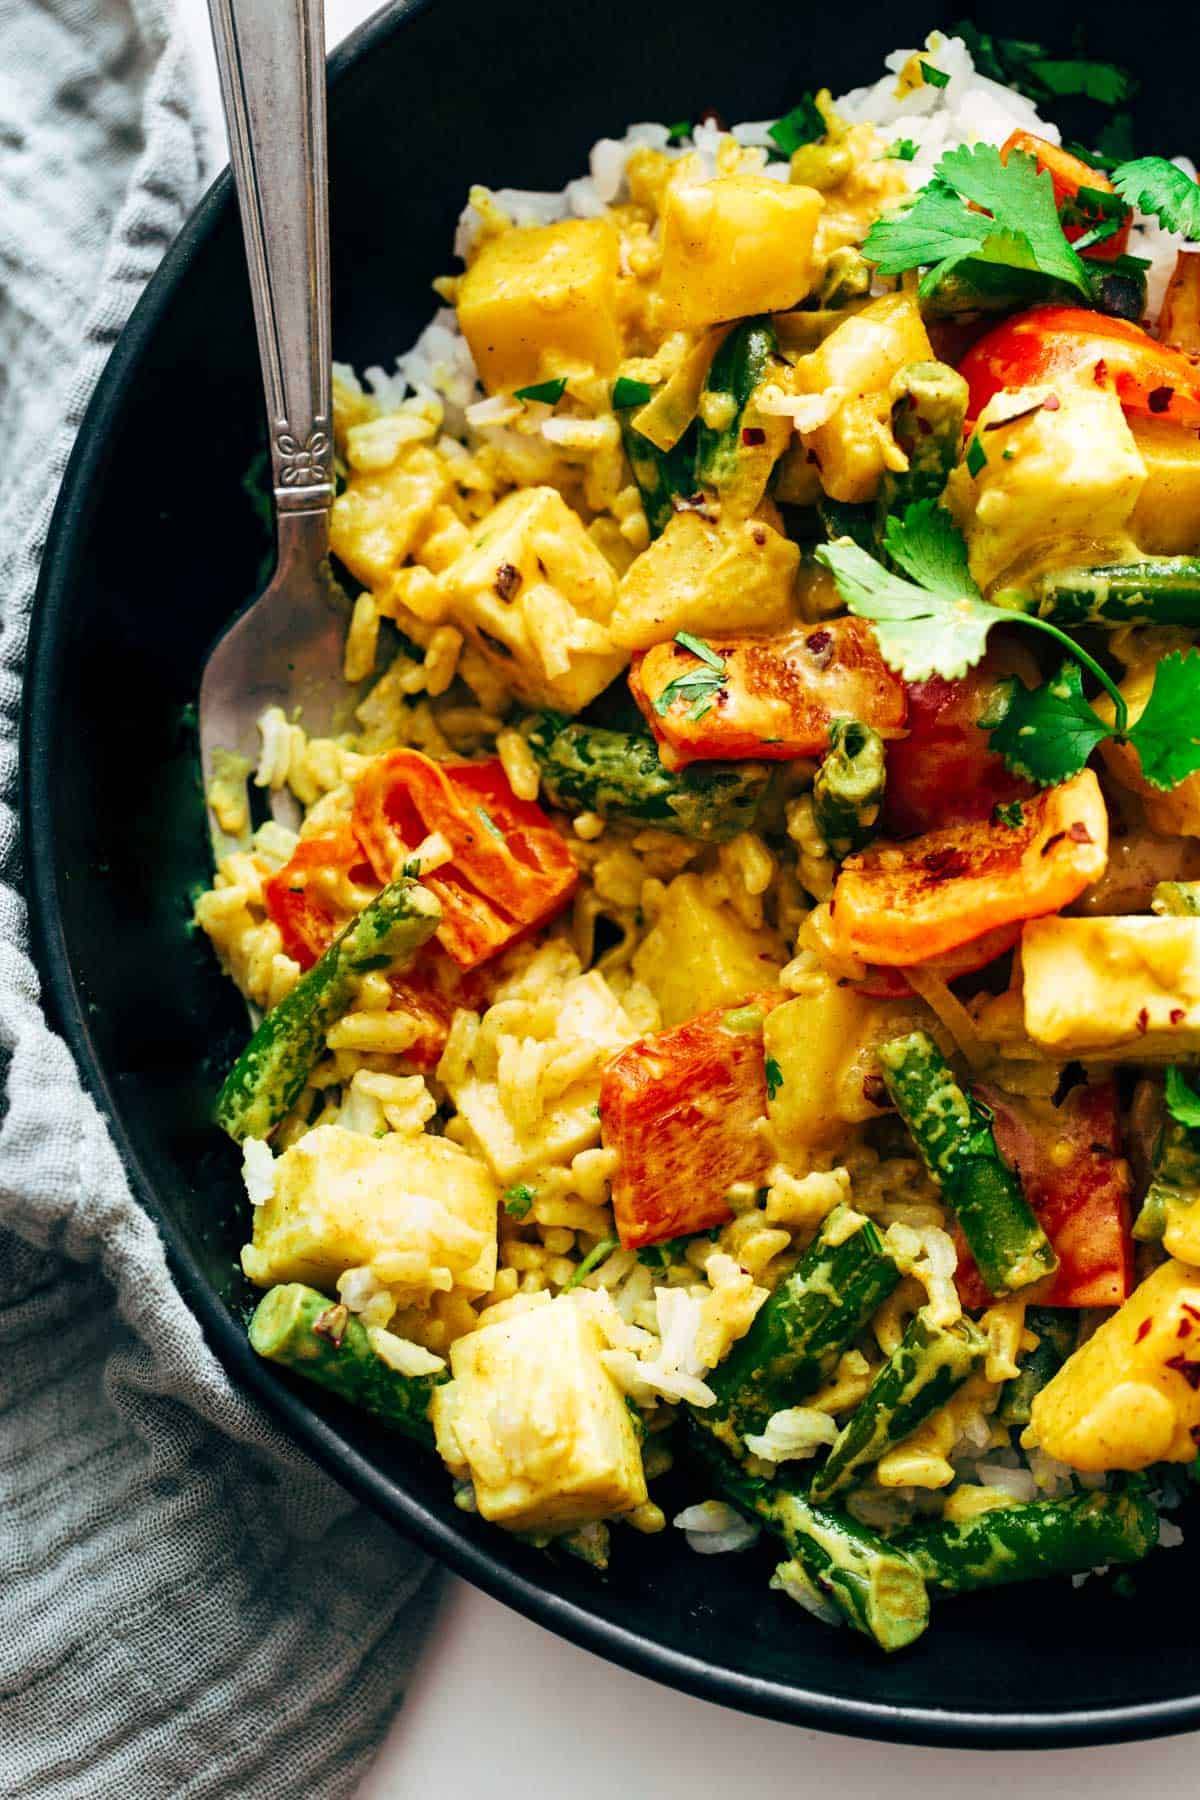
[1117,987]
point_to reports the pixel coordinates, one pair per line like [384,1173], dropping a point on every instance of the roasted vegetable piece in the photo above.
[539,296]
[771,697]
[944,770]
[848,787]
[706,574]
[681,1109]
[661,475]
[903,903]
[1043,1537]
[928,411]
[736,445]
[510,870]
[928,1365]
[301,1330]
[269,1075]
[700,953]
[1129,1396]
[1056,1332]
[801,1330]
[875,1588]
[952,1131]
[1041,346]
[1163,590]
[1069,1163]
[893,984]
[1069,174]
[736,245]
[618,774]
[325,883]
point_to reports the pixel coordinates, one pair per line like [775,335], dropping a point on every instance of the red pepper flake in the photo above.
[924,428]
[753,434]
[508,580]
[874,1089]
[1160,398]
[819,645]
[1143,1020]
[1143,1330]
[1101,372]
[1184,1329]
[759,535]
[1193,1312]
[1196,1434]
[1051,403]
[1050,842]
[1176,1014]
[710,116]
[1079,833]
[943,865]
[1189,1370]
[332,1324]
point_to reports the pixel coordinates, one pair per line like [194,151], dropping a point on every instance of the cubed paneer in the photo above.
[1059,485]
[855,367]
[702,577]
[736,245]
[536,1422]
[827,1077]
[418,1210]
[521,1125]
[380,514]
[1130,1396]
[1166,519]
[1114,988]
[534,595]
[542,299]
[699,954]
[685,1110]
[1174,811]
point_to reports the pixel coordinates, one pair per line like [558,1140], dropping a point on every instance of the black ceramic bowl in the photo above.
[154,546]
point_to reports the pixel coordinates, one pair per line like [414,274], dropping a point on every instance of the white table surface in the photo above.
[501,1708]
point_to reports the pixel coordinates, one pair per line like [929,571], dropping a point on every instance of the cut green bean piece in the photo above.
[1163,590]
[927,423]
[1174,1180]
[930,1363]
[1056,1330]
[953,1133]
[1039,1538]
[618,775]
[662,476]
[801,1330]
[1176,899]
[849,787]
[300,1329]
[739,366]
[875,1587]
[269,1076]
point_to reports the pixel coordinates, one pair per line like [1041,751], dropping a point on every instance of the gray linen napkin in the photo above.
[190,1607]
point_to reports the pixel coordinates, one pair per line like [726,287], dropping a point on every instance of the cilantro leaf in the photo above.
[1154,185]
[1010,813]
[928,545]
[919,632]
[1183,1102]
[628,392]
[700,685]
[1048,733]
[936,229]
[803,125]
[1020,198]
[1167,735]
[518,1200]
[1081,76]
[902,150]
[934,76]
[550,392]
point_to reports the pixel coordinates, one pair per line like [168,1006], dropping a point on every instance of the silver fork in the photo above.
[285,648]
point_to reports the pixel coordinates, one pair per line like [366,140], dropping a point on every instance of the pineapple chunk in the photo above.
[535,1420]
[854,369]
[1059,485]
[534,594]
[379,516]
[418,1210]
[1113,987]
[702,577]
[824,1045]
[736,245]
[541,299]
[700,955]
[1130,1396]
[1166,520]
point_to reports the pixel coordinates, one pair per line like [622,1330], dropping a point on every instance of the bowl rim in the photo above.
[926,1725]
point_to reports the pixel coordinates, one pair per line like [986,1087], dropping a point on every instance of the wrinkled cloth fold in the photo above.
[191,1607]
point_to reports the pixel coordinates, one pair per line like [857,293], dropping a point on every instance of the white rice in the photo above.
[715,1529]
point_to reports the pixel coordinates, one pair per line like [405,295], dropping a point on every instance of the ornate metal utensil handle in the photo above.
[271,56]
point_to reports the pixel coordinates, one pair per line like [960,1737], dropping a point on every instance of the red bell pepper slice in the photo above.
[317,893]
[1079,1185]
[1035,348]
[944,772]
[682,1109]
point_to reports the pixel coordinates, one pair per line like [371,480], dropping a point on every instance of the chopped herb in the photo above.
[976,457]
[518,1200]
[549,391]
[903,150]
[1049,732]
[592,1260]
[934,76]
[1103,213]
[595,1109]
[627,392]
[1154,185]
[1010,813]
[658,1256]
[491,824]
[803,125]
[697,685]
[681,129]
[1008,455]
[1183,1102]
[774,1076]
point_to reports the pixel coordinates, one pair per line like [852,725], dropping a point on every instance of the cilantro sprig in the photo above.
[697,685]
[1154,185]
[931,619]
[981,209]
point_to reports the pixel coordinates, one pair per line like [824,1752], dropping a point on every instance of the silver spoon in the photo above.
[285,649]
